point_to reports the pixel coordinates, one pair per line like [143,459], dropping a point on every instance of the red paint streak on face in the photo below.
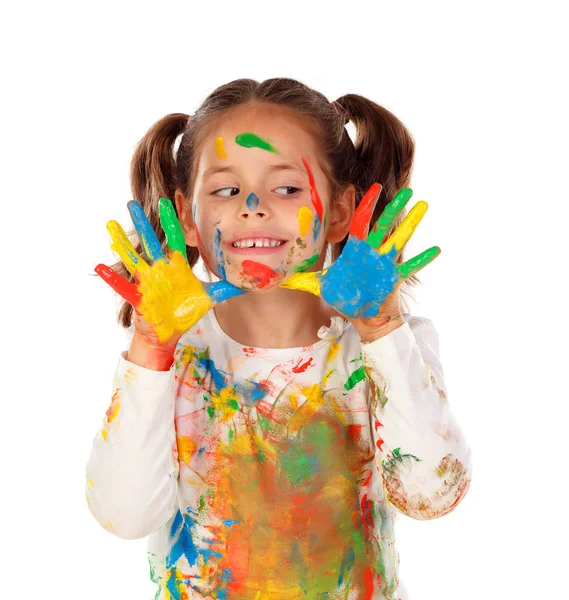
[260,273]
[201,249]
[361,219]
[301,368]
[314,195]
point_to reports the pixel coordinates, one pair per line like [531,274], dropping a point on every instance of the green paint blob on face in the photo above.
[251,140]
[306,264]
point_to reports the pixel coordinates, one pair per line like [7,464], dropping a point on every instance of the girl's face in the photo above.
[261,204]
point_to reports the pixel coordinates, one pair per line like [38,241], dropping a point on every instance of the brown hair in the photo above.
[382,152]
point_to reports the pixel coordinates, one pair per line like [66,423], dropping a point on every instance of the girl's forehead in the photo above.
[276,131]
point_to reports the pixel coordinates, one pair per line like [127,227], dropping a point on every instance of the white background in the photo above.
[480,86]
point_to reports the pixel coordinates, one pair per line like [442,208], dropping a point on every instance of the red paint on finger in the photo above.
[128,290]
[362,217]
[262,274]
[314,195]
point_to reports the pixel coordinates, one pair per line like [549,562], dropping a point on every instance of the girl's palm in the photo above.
[167,297]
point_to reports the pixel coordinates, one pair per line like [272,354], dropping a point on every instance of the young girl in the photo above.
[266,429]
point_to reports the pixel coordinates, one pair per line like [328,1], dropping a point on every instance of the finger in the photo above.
[128,290]
[390,212]
[146,234]
[171,225]
[123,247]
[222,290]
[405,230]
[415,264]
[307,282]
[362,216]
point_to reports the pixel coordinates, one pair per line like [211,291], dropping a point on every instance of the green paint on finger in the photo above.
[251,140]
[390,212]
[416,263]
[171,226]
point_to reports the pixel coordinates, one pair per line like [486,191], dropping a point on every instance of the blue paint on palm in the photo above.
[252,202]
[146,234]
[360,279]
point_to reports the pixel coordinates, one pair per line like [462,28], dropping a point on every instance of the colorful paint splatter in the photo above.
[277,474]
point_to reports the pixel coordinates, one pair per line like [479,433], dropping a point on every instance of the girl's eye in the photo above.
[216,193]
[289,187]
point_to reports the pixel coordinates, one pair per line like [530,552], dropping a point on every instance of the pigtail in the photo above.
[153,176]
[385,151]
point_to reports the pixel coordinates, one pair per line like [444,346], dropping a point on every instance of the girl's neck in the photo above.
[276,318]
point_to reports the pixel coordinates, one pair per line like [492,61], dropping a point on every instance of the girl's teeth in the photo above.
[257,243]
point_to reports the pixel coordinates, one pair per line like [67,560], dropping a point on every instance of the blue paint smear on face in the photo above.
[219,259]
[316,227]
[360,279]
[252,202]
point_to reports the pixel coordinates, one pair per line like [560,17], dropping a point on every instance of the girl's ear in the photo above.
[184,211]
[341,214]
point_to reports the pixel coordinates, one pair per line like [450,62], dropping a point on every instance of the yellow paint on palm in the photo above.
[304,217]
[124,248]
[219,149]
[306,282]
[314,400]
[186,447]
[405,230]
[173,299]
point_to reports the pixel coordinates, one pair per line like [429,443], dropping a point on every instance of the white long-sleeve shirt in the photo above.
[278,473]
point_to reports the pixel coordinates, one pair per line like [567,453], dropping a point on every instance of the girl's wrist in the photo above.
[144,353]
[381,328]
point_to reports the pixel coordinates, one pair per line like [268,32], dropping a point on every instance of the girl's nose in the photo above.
[253,208]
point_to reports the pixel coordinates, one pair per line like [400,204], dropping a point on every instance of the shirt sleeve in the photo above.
[132,471]
[421,453]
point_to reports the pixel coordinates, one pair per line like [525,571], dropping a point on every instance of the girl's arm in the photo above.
[132,471]
[421,453]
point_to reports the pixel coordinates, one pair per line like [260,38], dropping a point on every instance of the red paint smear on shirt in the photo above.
[379,444]
[368,582]
[301,368]
[314,195]
[261,273]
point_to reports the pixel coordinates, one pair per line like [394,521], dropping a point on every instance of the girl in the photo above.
[266,428]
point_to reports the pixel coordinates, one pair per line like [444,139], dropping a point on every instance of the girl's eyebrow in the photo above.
[271,168]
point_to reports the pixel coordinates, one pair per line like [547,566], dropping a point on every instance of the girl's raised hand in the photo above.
[361,282]
[167,296]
